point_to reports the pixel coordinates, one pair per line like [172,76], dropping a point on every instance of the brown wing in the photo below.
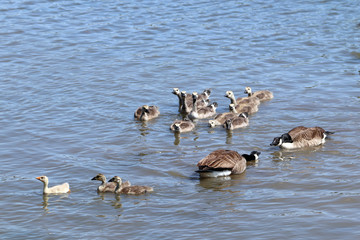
[220,159]
[296,130]
[310,133]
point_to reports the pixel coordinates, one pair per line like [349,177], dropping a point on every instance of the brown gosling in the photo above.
[263,95]
[132,190]
[182,126]
[244,100]
[204,112]
[107,186]
[238,122]
[222,163]
[146,113]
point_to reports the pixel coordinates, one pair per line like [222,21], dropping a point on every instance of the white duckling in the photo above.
[63,188]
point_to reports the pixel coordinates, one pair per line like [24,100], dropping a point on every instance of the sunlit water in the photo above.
[73,73]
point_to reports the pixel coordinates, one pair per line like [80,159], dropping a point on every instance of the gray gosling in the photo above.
[107,186]
[132,190]
[244,100]
[263,95]
[146,113]
[182,126]
[238,122]
[222,163]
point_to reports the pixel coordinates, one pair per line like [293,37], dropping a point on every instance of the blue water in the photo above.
[73,73]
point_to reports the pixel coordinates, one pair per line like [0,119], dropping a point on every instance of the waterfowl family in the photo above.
[300,137]
[263,95]
[63,188]
[107,186]
[224,162]
[131,190]
[146,113]
[240,121]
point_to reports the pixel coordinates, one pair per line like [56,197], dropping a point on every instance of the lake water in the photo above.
[73,73]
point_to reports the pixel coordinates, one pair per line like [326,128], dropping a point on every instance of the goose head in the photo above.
[43,179]
[116,179]
[232,108]
[177,127]
[247,90]
[228,124]
[145,108]
[176,91]
[244,115]
[212,123]
[207,92]
[100,177]
[229,94]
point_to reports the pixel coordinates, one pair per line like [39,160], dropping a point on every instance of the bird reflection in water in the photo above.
[219,183]
[46,198]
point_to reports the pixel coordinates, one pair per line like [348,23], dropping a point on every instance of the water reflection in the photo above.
[117,204]
[229,135]
[219,183]
[46,197]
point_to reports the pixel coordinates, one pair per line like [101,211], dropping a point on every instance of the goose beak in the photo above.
[94,178]
[38,178]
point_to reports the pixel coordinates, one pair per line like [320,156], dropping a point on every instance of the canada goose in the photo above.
[300,137]
[244,100]
[204,112]
[132,190]
[63,188]
[224,162]
[238,122]
[263,95]
[222,117]
[185,125]
[146,113]
[107,186]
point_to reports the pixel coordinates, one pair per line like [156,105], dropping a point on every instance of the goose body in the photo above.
[249,108]
[224,162]
[146,113]
[182,126]
[240,121]
[263,95]
[244,100]
[107,186]
[63,188]
[131,190]
[301,137]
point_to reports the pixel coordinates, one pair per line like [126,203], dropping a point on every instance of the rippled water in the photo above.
[73,73]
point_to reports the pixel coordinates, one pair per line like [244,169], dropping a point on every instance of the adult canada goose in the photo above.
[244,100]
[222,117]
[146,113]
[204,112]
[224,162]
[263,95]
[185,125]
[63,188]
[132,190]
[300,137]
[238,122]
[107,186]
